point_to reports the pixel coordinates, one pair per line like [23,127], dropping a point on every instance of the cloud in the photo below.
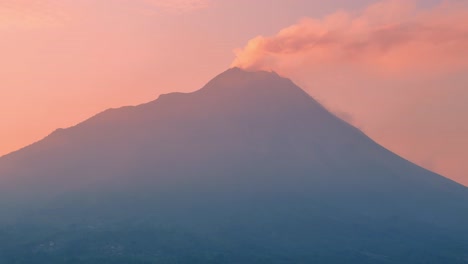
[389,36]
[179,6]
[31,14]
[40,14]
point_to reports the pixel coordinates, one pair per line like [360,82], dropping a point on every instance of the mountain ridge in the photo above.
[248,169]
[232,78]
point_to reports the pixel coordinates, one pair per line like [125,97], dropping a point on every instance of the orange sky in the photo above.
[395,68]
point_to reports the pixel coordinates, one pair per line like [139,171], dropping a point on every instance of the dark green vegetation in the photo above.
[249,169]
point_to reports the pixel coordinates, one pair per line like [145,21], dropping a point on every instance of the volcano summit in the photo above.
[248,169]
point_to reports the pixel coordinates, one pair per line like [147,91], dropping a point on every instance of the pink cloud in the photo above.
[178,5]
[390,36]
[40,14]
[31,14]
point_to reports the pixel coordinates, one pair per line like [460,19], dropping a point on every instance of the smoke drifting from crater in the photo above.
[390,36]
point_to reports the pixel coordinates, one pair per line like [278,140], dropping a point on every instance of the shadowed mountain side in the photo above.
[250,159]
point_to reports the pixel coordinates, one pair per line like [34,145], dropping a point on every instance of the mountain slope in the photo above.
[249,169]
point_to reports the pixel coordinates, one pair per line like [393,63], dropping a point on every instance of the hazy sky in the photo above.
[396,69]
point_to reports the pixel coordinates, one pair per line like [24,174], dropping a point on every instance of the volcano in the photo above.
[248,169]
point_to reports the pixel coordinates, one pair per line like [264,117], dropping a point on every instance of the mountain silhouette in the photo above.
[248,169]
